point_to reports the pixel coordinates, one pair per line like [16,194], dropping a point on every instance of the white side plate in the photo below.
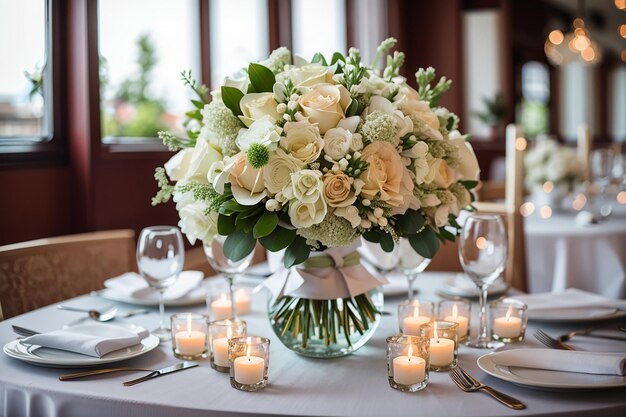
[575,314]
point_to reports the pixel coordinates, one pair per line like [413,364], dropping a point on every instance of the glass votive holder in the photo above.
[243,300]
[407,362]
[508,320]
[220,332]
[443,344]
[457,311]
[249,359]
[219,306]
[189,335]
[412,314]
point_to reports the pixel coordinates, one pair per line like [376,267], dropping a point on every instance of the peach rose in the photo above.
[338,190]
[247,182]
[325,105]
[441,173]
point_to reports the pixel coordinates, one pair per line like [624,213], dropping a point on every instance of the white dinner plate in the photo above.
[546,380]
[462,286]
[56,358]
[575,314]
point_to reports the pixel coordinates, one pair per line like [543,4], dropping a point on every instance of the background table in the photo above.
[355,385]
[561,254]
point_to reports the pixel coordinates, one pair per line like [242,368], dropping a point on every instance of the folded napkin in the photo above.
[564,360]
[92,339]
[133,285]
[570,298]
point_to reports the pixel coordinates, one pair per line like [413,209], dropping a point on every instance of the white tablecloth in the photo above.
[561,254]
[355,385]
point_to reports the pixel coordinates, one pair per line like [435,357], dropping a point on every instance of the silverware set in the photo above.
[153,373]
[551,342]
[467,383]
[559,341]
[108,314]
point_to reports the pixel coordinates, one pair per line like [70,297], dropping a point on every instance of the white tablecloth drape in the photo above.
[355,385]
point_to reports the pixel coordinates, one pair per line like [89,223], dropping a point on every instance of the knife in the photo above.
[155,374]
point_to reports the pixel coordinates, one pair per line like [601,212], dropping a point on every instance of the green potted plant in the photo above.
[493,114]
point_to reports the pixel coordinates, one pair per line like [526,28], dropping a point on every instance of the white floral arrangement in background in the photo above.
[549,162]
[311,155]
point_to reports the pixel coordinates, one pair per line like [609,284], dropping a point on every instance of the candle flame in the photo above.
[508,312]
[248,347]
[455,311]
[189,324]
[416,310]
[229,333]
[436,336]
[223,297]
[410,354]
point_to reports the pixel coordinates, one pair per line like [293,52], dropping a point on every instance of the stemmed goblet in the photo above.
[214,252]
[160,258]
[411,264]
[602,170]
[482,252]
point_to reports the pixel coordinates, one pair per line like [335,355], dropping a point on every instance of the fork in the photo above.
[551,342]
[587,332]
[467,383]
[76,375]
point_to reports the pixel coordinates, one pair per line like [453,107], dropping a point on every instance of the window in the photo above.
[318,26]
[535,97]
[25,71]
[144,46]
[238,34]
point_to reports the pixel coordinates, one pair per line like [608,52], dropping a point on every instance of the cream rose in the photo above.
[197,225]
[306,186]
[302,140]
[387,176]
[277,172]
[178,165]
[442,174]
[441,215]
[203,156]
[325,105]
[468,164]
[255,106]
[337,142]
[262,131]
[350,213]
[428,122]
[418,153]
[338,190]
[246,182]
[307,214]
[309,75]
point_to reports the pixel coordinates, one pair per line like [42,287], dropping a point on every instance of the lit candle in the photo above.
[409,370]
[411,325]
[441,350]
[507,326]
[249,370]
[190,342]
[220,349]
[222,308]
[463,321]
[242,301]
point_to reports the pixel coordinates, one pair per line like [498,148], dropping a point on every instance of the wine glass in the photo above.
[482,252]
[381,261]
[410,263]
[214,252]
[602,169]
[160,258]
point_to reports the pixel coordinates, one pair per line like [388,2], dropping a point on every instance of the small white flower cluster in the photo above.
[546,161]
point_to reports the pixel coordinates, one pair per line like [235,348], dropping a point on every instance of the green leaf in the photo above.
[232,206]
[194,114]
[337,57]
[279,239]
[446,235]
[297,252]
[246,223]
[319,59]
[225,224]
[425,243]
[353,108]
[372,236]
[410,222]
[469,184]
[265,225]
[231,97]
[261,77]
[198,104]
[238,245]
[386,242]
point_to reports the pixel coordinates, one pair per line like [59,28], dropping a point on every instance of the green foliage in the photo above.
[425,242]
[394,63]
[261,78]
[238,245]
[431,94]
[279,239]
[494,110]
[201,90]
[410,222]
[175,143]
[231,97]
[297,252]
[356,166]
[265,225]
[165,188]
[382,50]
[35,79]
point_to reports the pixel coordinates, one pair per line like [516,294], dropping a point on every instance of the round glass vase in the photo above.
[326,328]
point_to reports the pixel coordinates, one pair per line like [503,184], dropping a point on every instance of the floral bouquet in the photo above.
[549,162]
[310,156]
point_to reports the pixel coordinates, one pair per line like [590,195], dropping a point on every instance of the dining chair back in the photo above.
[40,272]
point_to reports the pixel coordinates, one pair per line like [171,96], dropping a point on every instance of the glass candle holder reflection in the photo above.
[457,311]
[407,362]
[508,320]
[443,344]
[412,314]
[219,305]
[189,335]
[249,359]
[243,300]
[220,332]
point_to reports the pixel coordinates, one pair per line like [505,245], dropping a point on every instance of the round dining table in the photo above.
[354,385]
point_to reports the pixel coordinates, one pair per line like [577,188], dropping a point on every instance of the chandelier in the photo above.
[574,46]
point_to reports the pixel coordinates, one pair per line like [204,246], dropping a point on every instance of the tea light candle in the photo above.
[461,320]
[190,342]
[222,308]
[507,326]
[411,324]
[242,301]
[409,370]
[249,369]
[220,350]
[441,350]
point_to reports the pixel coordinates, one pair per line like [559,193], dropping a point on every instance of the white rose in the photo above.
[255,106]
[375,86]
[240,81]
[195,224]
[350,123]
[307,214]
[350,213]
[337,142]
[307,185]
[308,75]
[203,156]
[325,105]
[357,142]
[441,215]
[262,131]
[182,199]
[178,165]
[277,172]
[468,163]
[302,140]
